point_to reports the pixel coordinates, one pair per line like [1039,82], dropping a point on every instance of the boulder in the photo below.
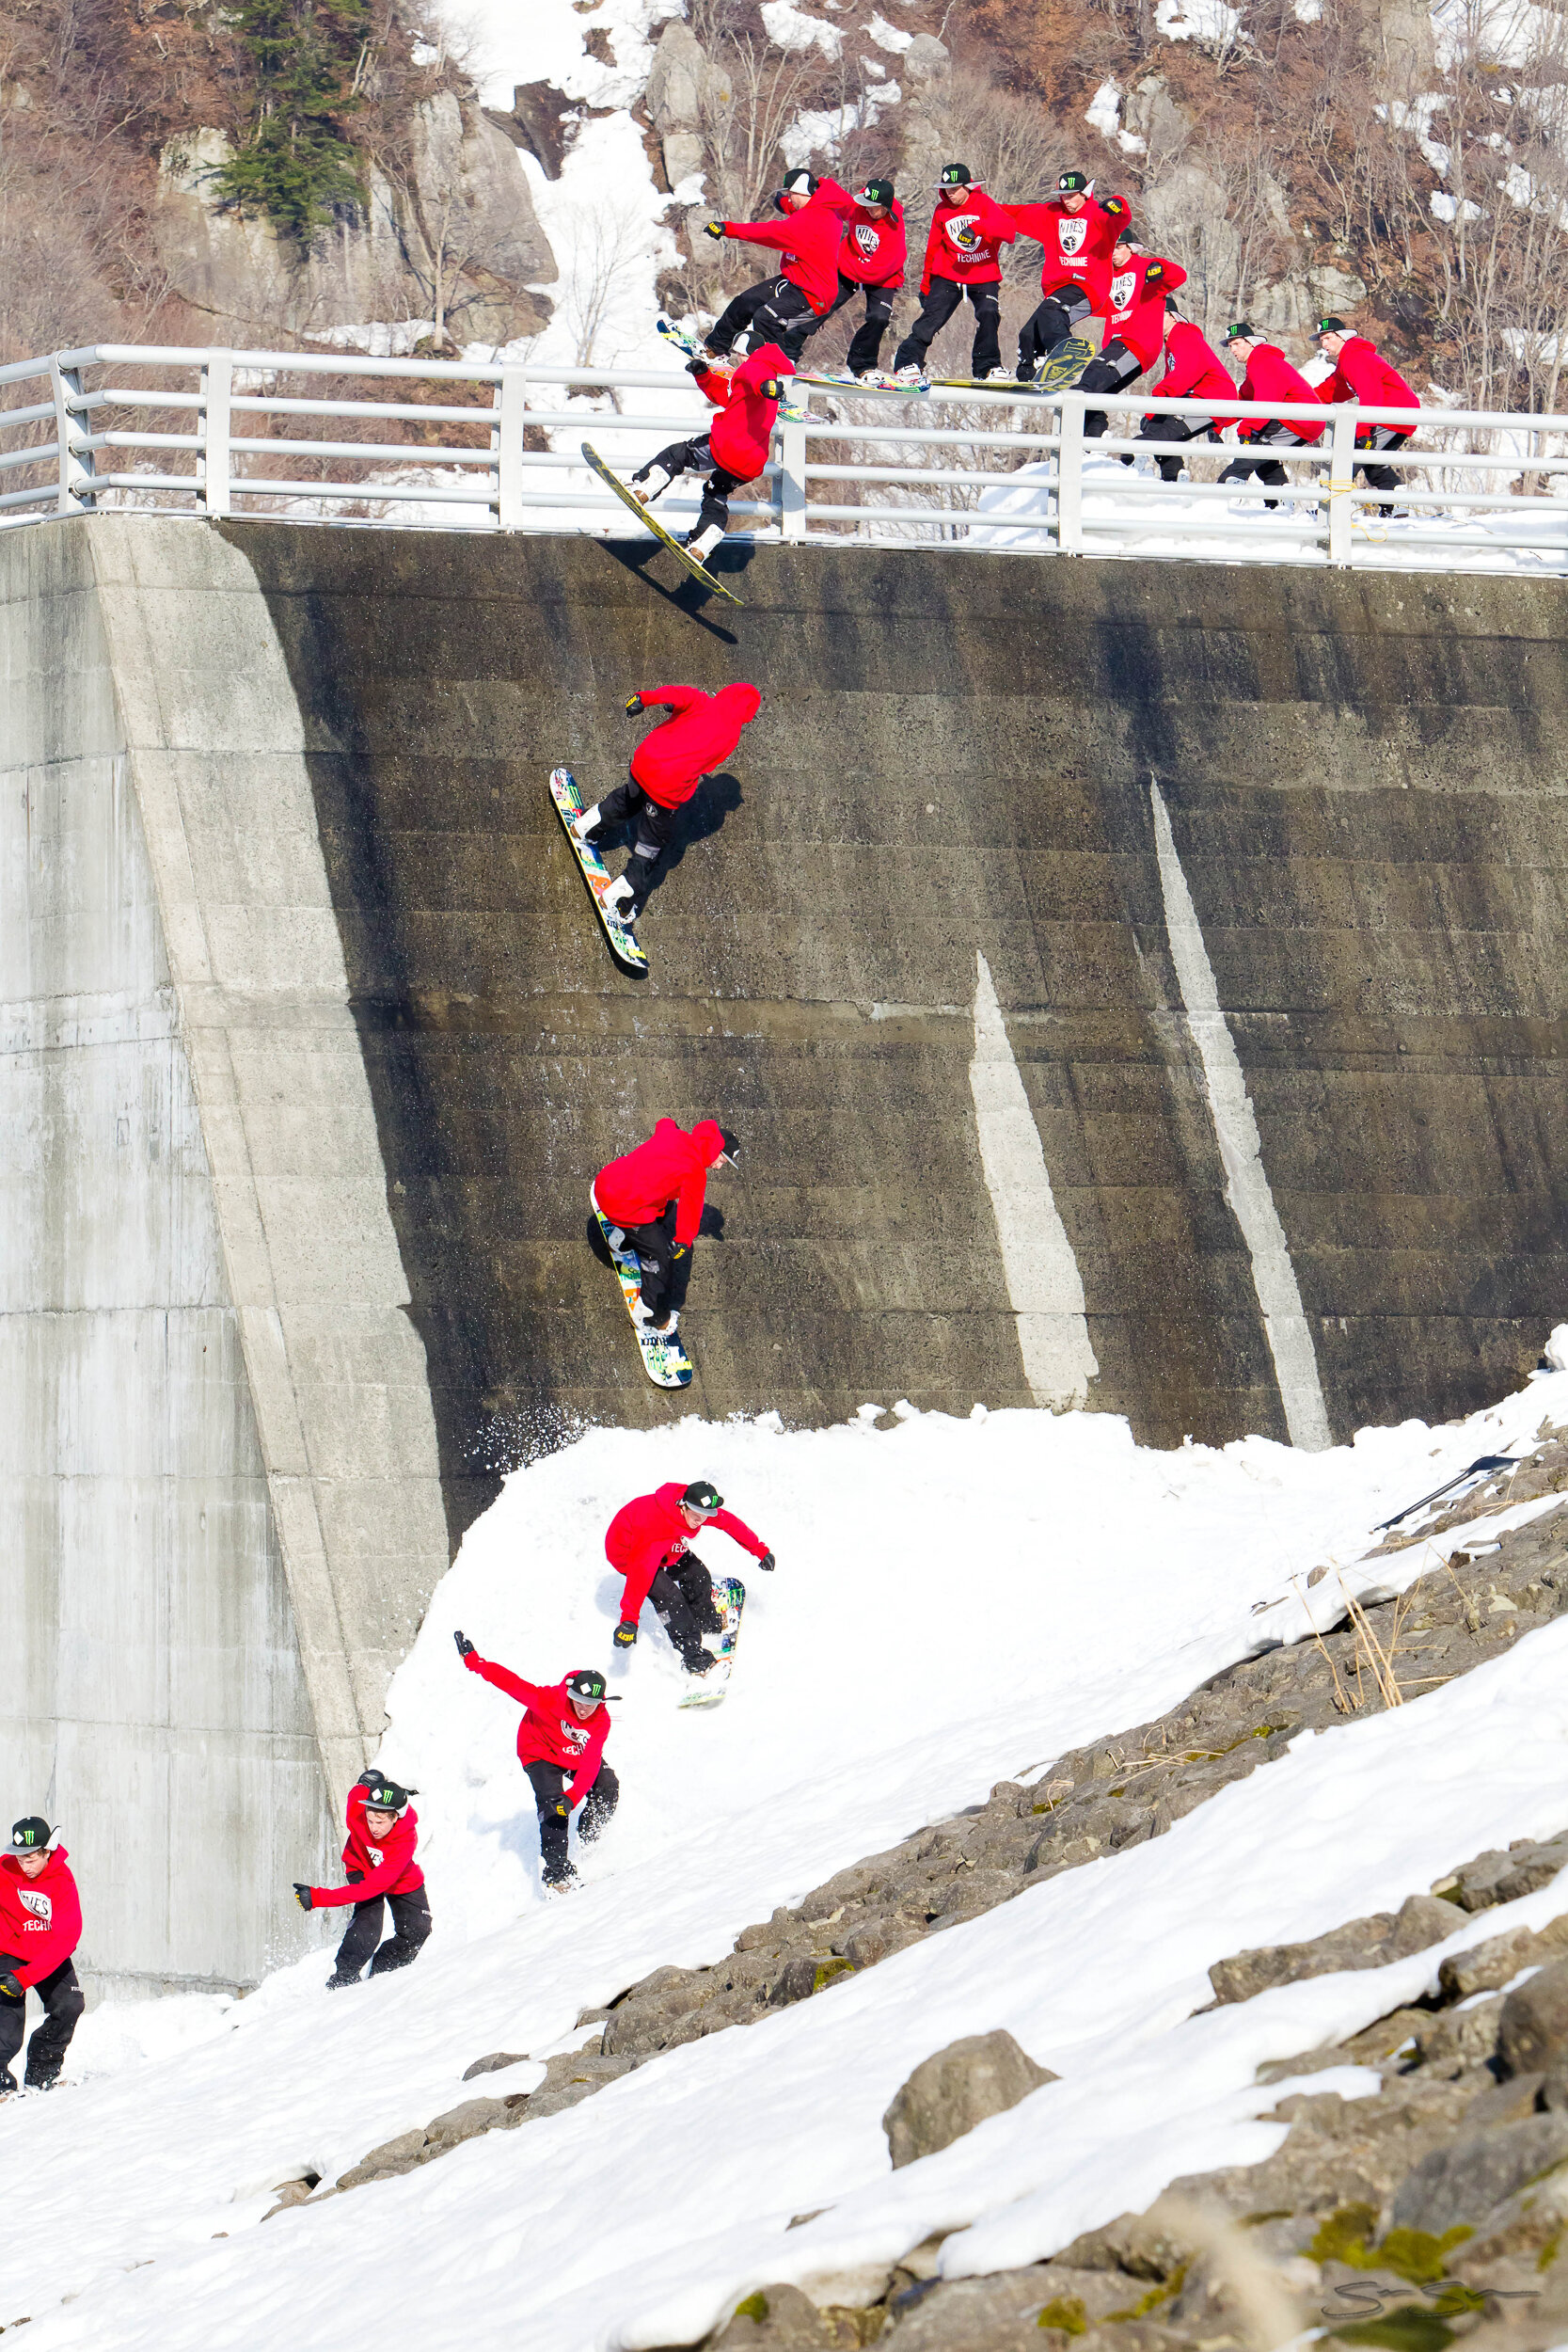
[780,2319]
[1457,2187]
[467,2121]
[1486,1967]
[494,2063]
[1005,2313]
[948,2093]
[1532,2037]
[1369,1943]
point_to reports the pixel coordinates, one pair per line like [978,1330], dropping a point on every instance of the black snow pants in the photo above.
[865,345]
[774,311]
[664,1276]
[1382,477]
[696,456]
[549,1782]
[1267,470]
[1173,429]
[682,1593]
[410,1926]
[935,311]
[63,2005]
[1061,313]
[1115,369]
[651,828]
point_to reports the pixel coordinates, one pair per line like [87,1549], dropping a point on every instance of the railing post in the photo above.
[1342,476]
[75,492]
[215,463]
[1069,475]
[792,478]
[507,440]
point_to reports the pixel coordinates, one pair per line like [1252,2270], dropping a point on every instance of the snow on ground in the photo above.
[871,1695]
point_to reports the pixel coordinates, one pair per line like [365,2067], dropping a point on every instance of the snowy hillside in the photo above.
[955,1602]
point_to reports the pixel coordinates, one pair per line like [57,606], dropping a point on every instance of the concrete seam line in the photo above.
[1246,1180]
[1044,1286]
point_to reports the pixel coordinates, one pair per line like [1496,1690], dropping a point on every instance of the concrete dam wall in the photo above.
[1134,985]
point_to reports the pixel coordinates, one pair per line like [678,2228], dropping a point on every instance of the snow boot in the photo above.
[620,900]
[563,1881]
[912,379]
[702,1661]
[336,1983]
[647,485]
[702,542]
[588,827]
[9,2084]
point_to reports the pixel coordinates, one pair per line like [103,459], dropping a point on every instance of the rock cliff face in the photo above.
[456,239]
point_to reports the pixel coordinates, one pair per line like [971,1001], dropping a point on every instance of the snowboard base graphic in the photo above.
[569,802]
[628,499]
[729,1598]
[665,1361]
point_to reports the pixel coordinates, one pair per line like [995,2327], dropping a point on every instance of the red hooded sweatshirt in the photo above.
[671,761]
[874,251]
[650,1534]
[1362,374]
[1194,368]
[386,1869]
[1271,376]
[1073,242]
[40,1919]
[670,1165]
[809,241]
[1134,298]
[965,240]
[742,433]
[551,1731]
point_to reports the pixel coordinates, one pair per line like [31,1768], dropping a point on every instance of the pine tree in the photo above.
[295,165]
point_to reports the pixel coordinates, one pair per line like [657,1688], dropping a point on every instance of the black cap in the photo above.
[874,192]
[956,176]
[31,1834]
[586,1682]
[1073,184]
[732,1147]
[703,1495]
[1329,326]
[385,1795]
[1243,331]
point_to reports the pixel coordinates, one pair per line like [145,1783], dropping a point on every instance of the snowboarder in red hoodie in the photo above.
[646,1542]
[652,1198]
[1075,230]
[561,1747]
[1269,376]
[785,309]
[666,768]
[1193,370]
[872,258]
[1133,289]
[735,444]
[1361,373]
[967,233]
[40,1926]
[379,1865]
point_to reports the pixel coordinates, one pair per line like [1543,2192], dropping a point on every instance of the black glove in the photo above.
[464,1648]
[634,705]
[1116,206]
[681,1249]
[561,1810]
[772,389]
[9,1989]
[713,228]
[767,1561]
[626,1633]
[303,1896]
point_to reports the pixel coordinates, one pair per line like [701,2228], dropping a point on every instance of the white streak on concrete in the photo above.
[1044,1285]
[1246,1182]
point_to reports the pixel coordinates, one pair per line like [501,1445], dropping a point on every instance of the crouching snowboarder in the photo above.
[40,1926]
[666,770]
[379,1865]
[651,1198]
[647,1544]
[561,1747]
[734,448]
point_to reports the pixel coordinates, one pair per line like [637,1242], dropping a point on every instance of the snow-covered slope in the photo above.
[955,1602]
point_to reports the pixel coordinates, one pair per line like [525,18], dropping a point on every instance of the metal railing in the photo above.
[226,433]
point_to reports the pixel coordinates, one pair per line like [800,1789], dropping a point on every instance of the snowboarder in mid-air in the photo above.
[379,1865]
[785,309]
[1075,230]
[561,1747]
[40,1926]
[651,1198]
[968,231]
[733,449]
[666,770]
[646,1542]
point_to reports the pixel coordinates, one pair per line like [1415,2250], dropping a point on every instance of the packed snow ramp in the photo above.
[1133,985]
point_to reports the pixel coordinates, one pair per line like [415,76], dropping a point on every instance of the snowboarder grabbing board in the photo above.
[733,450]
[665,771]
[647,1544]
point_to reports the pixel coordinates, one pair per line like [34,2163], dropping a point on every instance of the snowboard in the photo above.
[569,802]
[679,336]
[1061,368]
[665,1361]
[856,390]
[977,384]
[698,571]
[729,1595]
